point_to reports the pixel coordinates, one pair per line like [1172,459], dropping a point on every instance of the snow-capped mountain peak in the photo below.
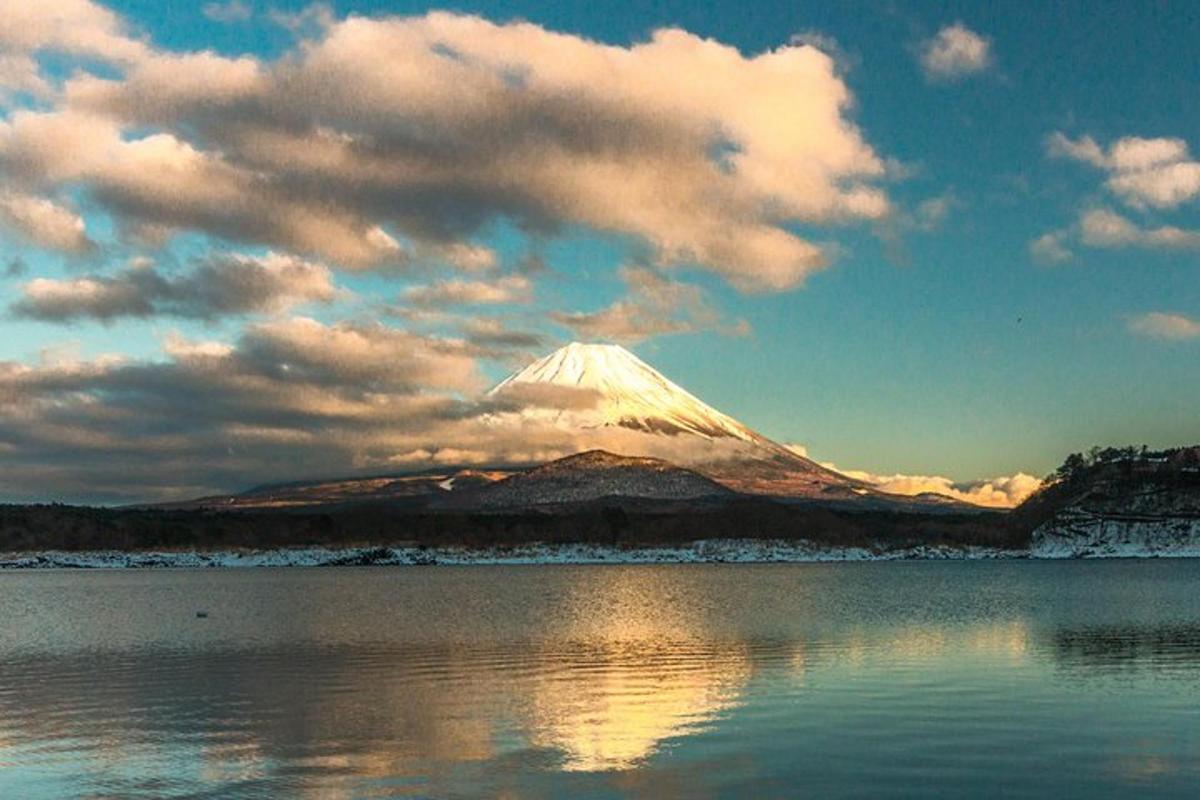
[630,393]
[603,396]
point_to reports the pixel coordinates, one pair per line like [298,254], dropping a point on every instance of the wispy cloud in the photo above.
[502,290]
[654,306]
[1165,325]
[221,285]
[1050,248]
[228,12]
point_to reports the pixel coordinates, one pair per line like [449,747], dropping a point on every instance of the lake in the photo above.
[913,679]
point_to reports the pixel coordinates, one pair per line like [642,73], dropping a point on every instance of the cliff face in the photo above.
[1132,508]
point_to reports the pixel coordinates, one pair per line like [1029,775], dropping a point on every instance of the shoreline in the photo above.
[707,551]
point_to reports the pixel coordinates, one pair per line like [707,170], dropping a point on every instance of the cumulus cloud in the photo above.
[75,27]
[955,52]
[1165,325]
[221,285]
[700,152]
[506,289]
[44,222]
[654,306]
[1144,173]
[1003,492]
[162,181]
[1105,228]
[19,72]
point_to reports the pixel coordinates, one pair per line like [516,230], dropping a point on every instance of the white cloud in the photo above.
[468,257]
[19,72]
[1165,325]
[1002,492]
[75,27]
[44,222]
[1144,173]
[703,154]
[955,52]
[1085,148]
[1161,186]
[163,181]
[1104,228]
[1050,249]
[181,348]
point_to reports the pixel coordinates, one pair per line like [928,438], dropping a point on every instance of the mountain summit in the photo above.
[609,398]
[631,393]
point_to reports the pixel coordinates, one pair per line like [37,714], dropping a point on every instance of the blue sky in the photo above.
[939,340]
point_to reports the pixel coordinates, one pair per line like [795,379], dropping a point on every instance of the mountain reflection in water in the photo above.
[653,681]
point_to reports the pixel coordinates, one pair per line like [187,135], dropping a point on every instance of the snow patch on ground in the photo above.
[700,552]
[1079,534]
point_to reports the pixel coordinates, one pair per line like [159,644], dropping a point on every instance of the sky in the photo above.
[934,243]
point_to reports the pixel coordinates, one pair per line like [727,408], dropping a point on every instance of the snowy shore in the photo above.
[707,551]
[1076,533]
[700,552]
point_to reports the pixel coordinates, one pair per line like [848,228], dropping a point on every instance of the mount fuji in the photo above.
[595,420]
[608,398]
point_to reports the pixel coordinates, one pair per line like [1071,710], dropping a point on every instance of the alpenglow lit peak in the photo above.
[606,397]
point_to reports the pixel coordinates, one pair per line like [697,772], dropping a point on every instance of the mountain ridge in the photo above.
[591,476]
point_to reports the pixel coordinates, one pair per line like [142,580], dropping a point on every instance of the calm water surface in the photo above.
[919,679]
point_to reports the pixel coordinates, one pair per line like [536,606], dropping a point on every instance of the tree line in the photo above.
[1078,464]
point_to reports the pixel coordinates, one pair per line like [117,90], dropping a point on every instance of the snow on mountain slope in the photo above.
[627,406]
[632,394]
